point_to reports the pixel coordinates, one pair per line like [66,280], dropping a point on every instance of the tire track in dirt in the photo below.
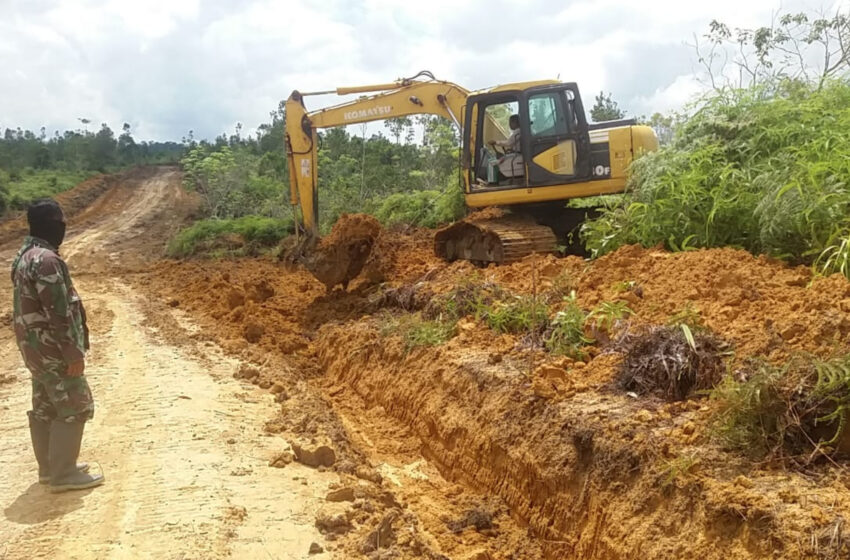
[181,442]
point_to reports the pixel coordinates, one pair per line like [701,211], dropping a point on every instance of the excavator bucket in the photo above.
[496,240]
[337,258]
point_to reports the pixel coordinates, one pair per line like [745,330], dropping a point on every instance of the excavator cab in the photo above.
[554,138]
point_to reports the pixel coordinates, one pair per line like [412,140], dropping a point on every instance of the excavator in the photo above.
[526,148]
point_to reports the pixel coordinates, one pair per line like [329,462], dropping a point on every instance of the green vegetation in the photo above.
[423,208]
[34,166]
[797,411]
[417,331]
[566,335]
[607,314]
[748,170]
[517,314]
[672,471]
[31,184]
[244,235]
[399,182]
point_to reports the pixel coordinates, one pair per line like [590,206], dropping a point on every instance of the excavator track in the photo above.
[497,240]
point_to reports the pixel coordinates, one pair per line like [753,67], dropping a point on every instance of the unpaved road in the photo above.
[180,441]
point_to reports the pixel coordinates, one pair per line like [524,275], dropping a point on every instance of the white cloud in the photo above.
[167,66]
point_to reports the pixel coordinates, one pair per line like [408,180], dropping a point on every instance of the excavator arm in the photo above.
[397,99]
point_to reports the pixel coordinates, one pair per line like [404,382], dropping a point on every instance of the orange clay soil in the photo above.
[75,202]
[592,472]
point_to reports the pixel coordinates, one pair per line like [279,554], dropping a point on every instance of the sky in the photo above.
[170,66]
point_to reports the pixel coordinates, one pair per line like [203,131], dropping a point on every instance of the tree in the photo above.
[399,125]
[606,109]
[126,145]
[803,48]
[663,125]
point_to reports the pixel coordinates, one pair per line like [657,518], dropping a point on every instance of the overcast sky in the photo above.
[168,66]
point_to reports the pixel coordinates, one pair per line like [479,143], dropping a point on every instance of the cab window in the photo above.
[547,115]
[496,126]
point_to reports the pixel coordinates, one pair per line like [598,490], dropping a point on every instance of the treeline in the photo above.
[37,165]
[386,173]
[80,150]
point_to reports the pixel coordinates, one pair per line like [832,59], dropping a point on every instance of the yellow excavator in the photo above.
[525,147]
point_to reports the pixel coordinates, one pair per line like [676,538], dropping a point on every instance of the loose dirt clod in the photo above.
[341,495]
[314,455]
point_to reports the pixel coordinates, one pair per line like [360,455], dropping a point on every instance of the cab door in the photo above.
[555,136]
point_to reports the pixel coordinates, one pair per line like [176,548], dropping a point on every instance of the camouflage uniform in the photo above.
[50,326]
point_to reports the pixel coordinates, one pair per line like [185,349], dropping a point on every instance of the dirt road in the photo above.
[181,443]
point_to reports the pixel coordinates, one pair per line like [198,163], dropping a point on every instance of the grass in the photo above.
[245,235]
[607,314]
[797,411]
[417,331]
[768,171]
[517,314]
[674,470]
[19,189]
[566,335]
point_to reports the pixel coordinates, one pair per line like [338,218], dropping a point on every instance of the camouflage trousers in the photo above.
[59,397]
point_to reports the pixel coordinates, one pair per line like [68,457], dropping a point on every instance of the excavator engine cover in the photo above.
[498,240]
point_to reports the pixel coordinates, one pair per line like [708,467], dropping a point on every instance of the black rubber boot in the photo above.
[65,441]
[40,435]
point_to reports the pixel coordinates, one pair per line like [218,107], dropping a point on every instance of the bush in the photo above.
[239,235]
[18,190]
[519,314]
[769,172]
[421,208]
[417,331]
[566,335]
[797,411]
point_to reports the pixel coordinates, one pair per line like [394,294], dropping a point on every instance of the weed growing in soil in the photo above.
[473,297]
[671,362]
[416,331]
[796,411]
[519,314]
[562,285]
[428,333]
[607,314]
[566,335]
[676,469]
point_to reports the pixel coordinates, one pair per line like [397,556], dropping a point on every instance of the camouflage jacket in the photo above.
[49,318]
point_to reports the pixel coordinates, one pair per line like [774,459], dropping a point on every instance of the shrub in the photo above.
[472,297]
[420,208]
[239,235]
[566,334]
[796,411]
[766,171]
[417,331]
[519,314]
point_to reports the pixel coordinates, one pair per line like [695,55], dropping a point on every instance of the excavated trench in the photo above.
[577,467]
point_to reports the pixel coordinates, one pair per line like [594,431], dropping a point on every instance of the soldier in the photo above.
[50,327]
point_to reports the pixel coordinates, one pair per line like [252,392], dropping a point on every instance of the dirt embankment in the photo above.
[81,201]
[592,472]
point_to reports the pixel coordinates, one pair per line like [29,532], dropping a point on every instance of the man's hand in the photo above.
[76,369]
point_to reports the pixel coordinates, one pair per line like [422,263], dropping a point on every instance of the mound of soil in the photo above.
[339,257]
[591,471]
